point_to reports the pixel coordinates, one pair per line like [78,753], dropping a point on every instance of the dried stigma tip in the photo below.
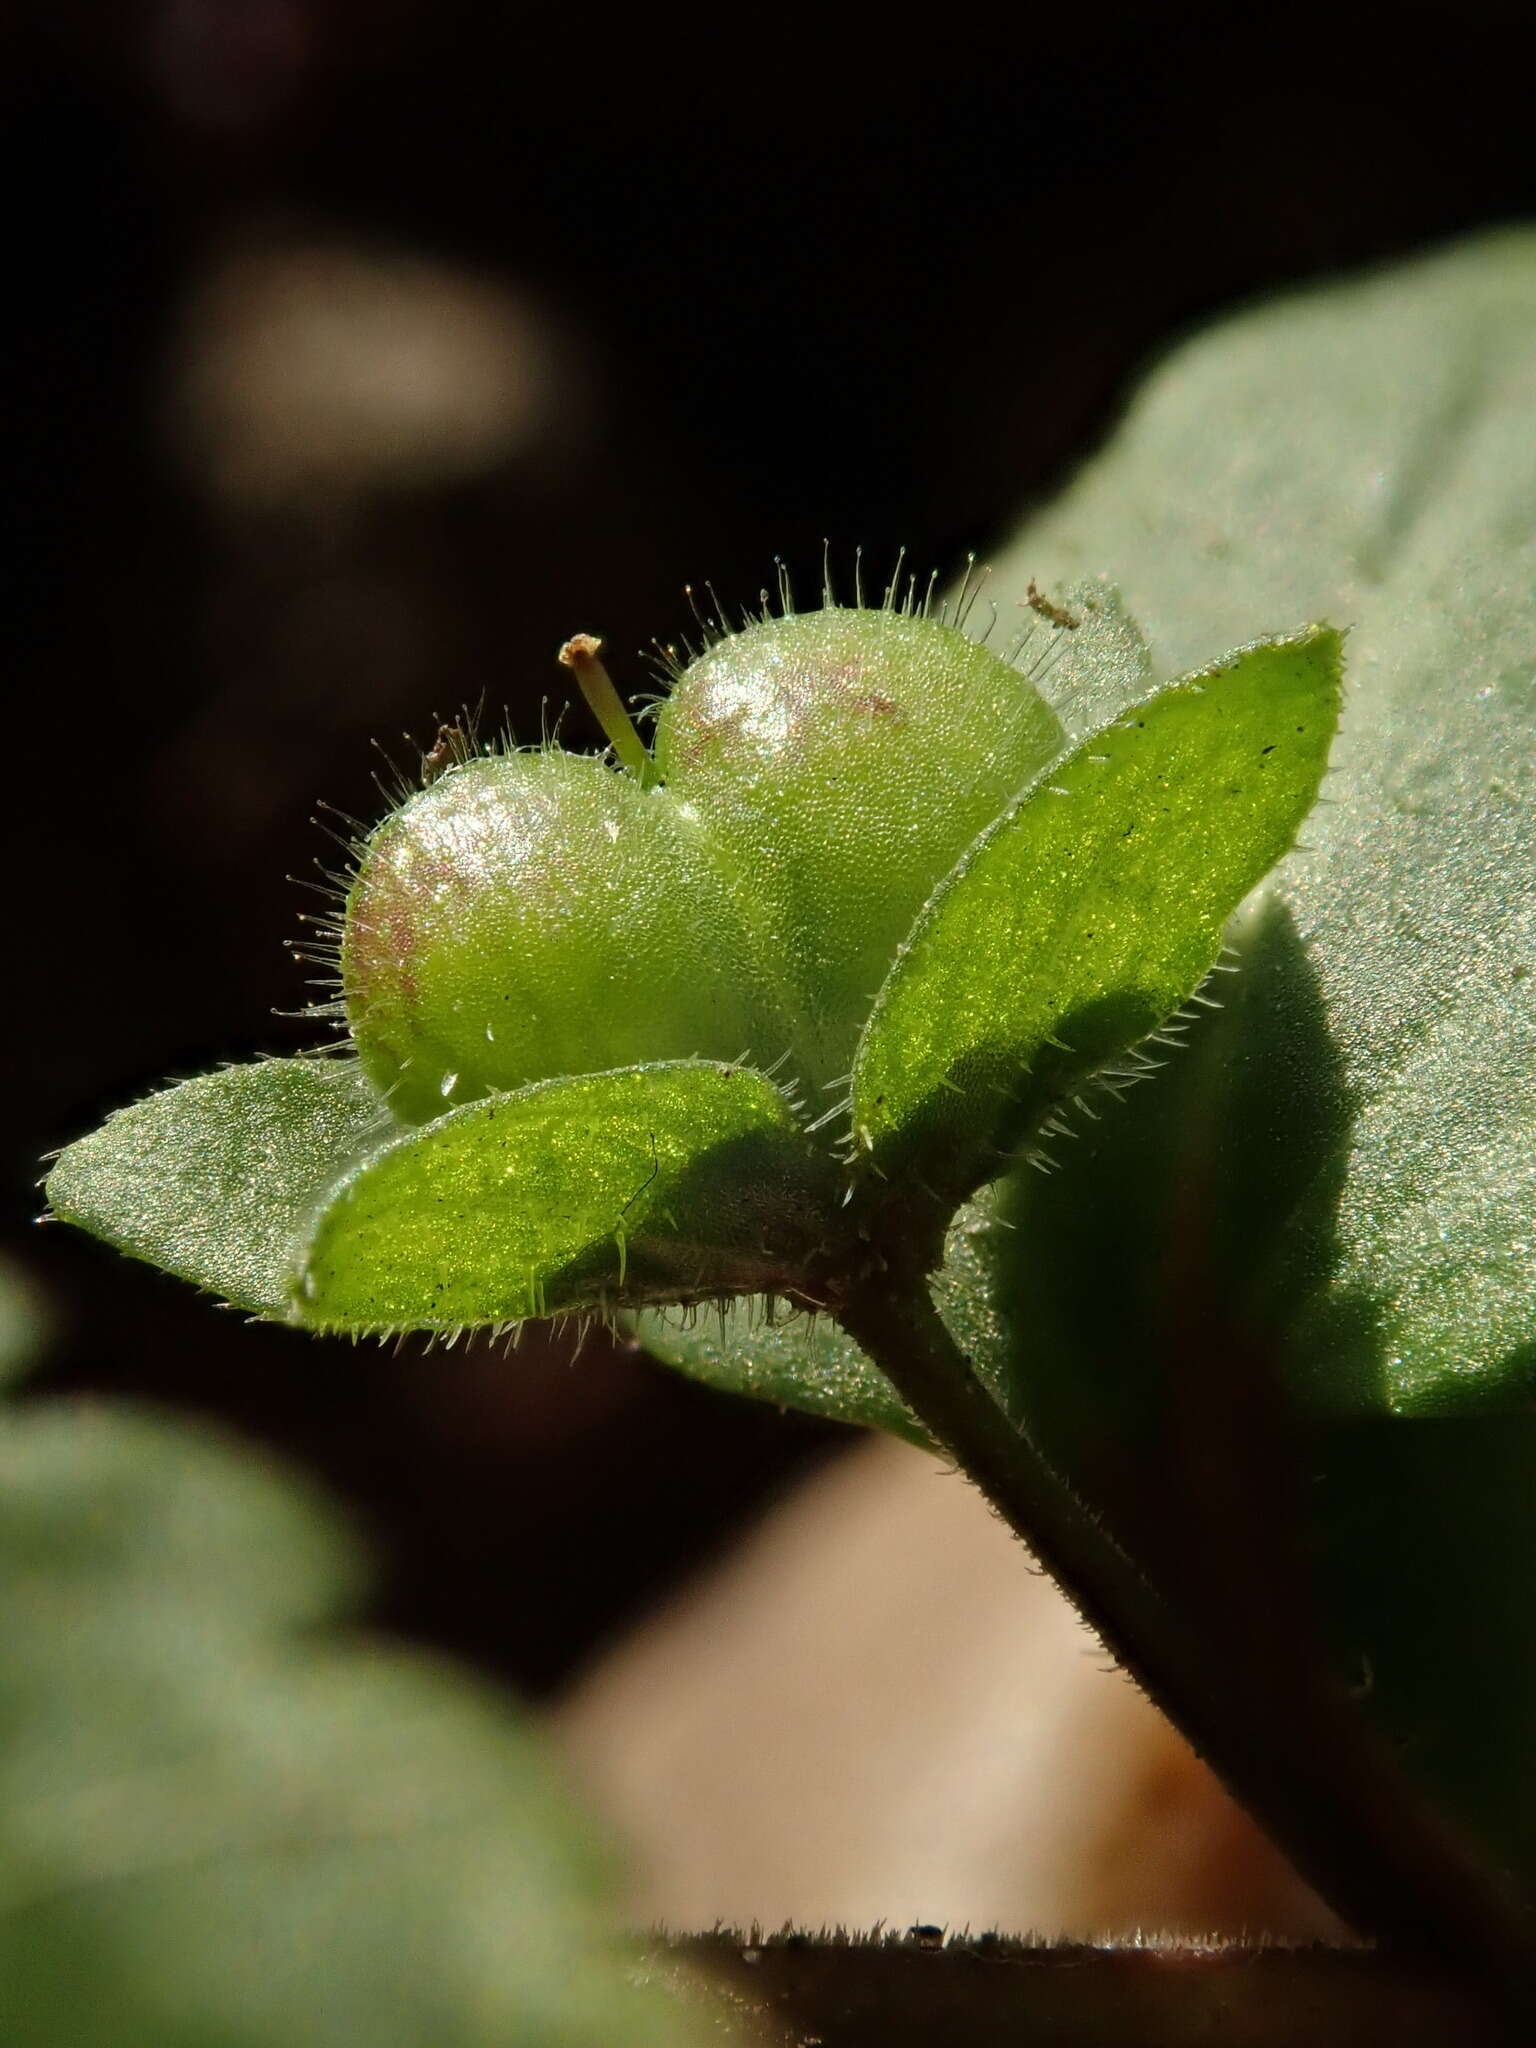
[582,655]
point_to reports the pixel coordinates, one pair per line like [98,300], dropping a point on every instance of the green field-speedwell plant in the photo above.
[807,1040]
[751,1013]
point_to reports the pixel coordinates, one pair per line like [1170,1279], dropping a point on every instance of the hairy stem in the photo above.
[1271,1722]
[887,1991]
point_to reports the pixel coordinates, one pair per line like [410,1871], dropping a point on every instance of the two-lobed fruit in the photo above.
[541,913]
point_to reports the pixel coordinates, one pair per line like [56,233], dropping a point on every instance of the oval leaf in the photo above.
[1369,452]
[216,1179]
[1332,1189]
[684,1179]
[1091,910]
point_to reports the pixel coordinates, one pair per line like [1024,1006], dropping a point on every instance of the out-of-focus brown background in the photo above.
[356,354]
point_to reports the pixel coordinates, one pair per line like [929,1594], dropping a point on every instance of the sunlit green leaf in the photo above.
[216,1179]
[1091,910]
[220,1822]
[683,1178]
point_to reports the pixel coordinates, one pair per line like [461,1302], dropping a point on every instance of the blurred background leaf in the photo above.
[222,1819]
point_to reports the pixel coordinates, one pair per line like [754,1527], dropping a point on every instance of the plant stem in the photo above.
[1275,1728]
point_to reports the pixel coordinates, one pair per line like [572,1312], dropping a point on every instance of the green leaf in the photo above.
[1337,1175]
[1091,910]
[216,1180]
[1366,453]
[792,1360]
[1334,1183]
[1094,670]
[683,1179]
[221,1821]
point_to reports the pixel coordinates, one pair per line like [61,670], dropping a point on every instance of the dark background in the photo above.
[791,277]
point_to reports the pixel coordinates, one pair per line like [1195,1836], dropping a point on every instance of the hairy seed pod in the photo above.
[844,759]
[538,914]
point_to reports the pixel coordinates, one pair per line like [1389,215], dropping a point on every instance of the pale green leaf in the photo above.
[1090,670]
[1366,453]
[1340,1170]
[1334,1183]
[1091,910]
[216,1179]
[683,1179]
[221,1821]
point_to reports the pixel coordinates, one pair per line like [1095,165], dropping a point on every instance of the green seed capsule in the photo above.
[844,760]
[538,914]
